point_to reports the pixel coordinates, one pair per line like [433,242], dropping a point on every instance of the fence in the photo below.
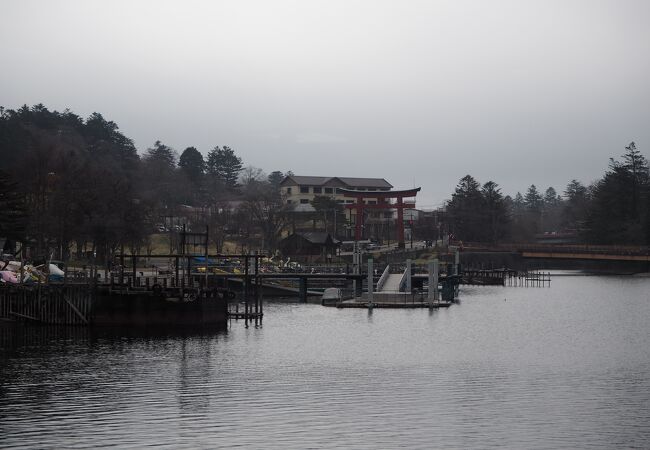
[47,304]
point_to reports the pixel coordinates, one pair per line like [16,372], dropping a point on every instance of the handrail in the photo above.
[383,278]
[402,282]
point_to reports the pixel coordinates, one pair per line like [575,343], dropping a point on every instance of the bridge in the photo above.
[568,251]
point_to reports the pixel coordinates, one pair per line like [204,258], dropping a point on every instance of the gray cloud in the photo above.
[418,92]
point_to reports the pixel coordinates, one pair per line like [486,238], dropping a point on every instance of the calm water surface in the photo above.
[560,367]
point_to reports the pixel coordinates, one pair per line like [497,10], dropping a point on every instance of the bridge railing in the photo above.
[561,248]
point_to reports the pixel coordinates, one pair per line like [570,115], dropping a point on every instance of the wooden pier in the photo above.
[529,279]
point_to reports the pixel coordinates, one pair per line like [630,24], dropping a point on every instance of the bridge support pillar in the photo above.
[432,294]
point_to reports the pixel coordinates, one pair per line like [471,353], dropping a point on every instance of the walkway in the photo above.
[392,283]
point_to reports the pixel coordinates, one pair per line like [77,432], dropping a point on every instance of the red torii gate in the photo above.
[382,203]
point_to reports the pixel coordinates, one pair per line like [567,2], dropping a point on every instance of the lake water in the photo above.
[560,367]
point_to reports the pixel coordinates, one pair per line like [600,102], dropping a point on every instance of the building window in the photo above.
[317,190]
[329,190]
[338,191]
[349,201]
[372,202]
[304,200]
[304,189]
[288,202]
[340,201]
[361,189]
[289,191]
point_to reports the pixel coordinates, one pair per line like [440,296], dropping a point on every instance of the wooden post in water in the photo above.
[257,283]
[433,280]
[356,267]
[302,288]
[370,281]
[207,230]
[246,285]
[431,290]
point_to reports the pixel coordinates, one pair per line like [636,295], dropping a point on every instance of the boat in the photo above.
[333,296]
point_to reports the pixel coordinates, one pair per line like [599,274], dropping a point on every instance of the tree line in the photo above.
[69,184]
[73,183]
[614,210]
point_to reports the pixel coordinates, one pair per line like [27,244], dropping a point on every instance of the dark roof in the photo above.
[366,182]
[350,182]
[308,180]
[316,237]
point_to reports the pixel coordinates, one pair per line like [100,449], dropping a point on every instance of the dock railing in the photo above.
[402,283]
[383,278]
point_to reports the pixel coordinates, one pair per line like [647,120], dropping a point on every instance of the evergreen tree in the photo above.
[551,198]
[465,210]
[224,166]
[533,200]
[518,204]
[103,136]
[618,213]
[159,181]
[496,213]
[161,155]
[275,178]
[192,164]
[551,218]
[637,167]
[574,211]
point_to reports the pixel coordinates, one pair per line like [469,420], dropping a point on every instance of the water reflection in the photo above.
[565,367]
[195,371]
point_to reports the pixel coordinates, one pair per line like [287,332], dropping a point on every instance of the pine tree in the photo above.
[224,166]
[464,210]
[533,199]
[161,155]
[275,178]
[192,164]
[618,213]
[495,212]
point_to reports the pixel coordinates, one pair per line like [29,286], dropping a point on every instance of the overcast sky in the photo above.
[418,92]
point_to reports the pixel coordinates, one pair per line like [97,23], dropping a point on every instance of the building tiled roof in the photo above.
[312,181]
[366,182]
[350,182]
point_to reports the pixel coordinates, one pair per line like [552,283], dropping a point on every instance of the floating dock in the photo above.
[390,304]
